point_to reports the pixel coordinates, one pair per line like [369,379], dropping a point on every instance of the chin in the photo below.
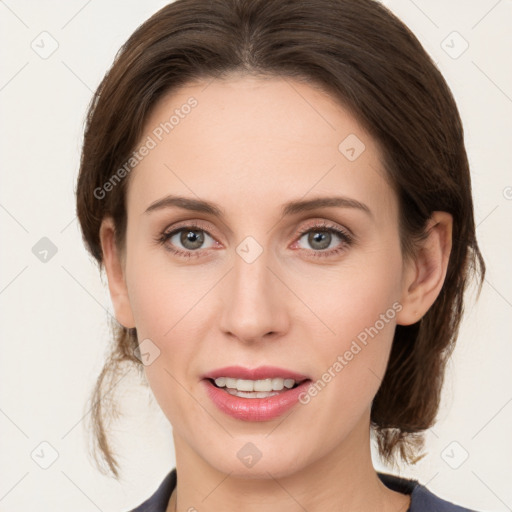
[251,462]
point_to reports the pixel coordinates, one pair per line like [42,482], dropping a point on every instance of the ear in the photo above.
[424,276]
[114,267]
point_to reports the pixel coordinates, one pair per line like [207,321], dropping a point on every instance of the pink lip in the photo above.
[254,409]
[262,372]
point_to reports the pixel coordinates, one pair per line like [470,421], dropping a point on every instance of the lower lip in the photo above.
[255,409]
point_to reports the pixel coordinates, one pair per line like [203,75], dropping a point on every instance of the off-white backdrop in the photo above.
[53,302]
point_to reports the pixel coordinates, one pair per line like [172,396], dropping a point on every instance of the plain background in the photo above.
[53,314]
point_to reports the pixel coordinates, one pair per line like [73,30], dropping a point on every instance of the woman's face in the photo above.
[246,288]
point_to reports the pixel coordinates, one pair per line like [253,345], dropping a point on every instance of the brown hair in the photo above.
[370,61]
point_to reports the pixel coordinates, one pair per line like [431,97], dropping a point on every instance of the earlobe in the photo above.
[115,274]
[424,277]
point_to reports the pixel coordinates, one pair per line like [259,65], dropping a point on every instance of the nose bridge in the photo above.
[251,274]
[254,307]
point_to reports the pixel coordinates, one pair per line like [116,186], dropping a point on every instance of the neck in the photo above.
[342,480]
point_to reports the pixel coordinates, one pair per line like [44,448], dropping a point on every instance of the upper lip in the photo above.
[262,372]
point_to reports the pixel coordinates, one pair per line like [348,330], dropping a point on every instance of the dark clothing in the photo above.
[422,500]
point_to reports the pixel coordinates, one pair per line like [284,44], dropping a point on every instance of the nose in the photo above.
[254,304]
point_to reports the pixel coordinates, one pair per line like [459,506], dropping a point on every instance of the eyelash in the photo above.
[322,226]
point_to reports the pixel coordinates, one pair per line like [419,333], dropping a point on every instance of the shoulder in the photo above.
[422,499]
[159,500]
[426,500]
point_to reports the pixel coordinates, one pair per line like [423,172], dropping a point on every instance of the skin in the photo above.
[251,145]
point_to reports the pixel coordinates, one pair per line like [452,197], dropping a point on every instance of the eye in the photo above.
[186,240]
[321,237]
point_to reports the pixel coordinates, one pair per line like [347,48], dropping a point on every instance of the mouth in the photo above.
[255,400]
[255,394]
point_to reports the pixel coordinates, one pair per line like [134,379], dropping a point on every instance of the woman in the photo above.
[280,196]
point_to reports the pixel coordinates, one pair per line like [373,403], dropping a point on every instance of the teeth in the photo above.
[276,384]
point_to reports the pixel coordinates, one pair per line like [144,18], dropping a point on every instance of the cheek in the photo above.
[351,364]
[162,304]
[359,306]
[353,297]
[158,295]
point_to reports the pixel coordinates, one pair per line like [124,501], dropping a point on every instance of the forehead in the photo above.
[258,139]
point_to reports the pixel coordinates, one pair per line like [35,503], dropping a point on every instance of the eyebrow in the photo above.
[290,208]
